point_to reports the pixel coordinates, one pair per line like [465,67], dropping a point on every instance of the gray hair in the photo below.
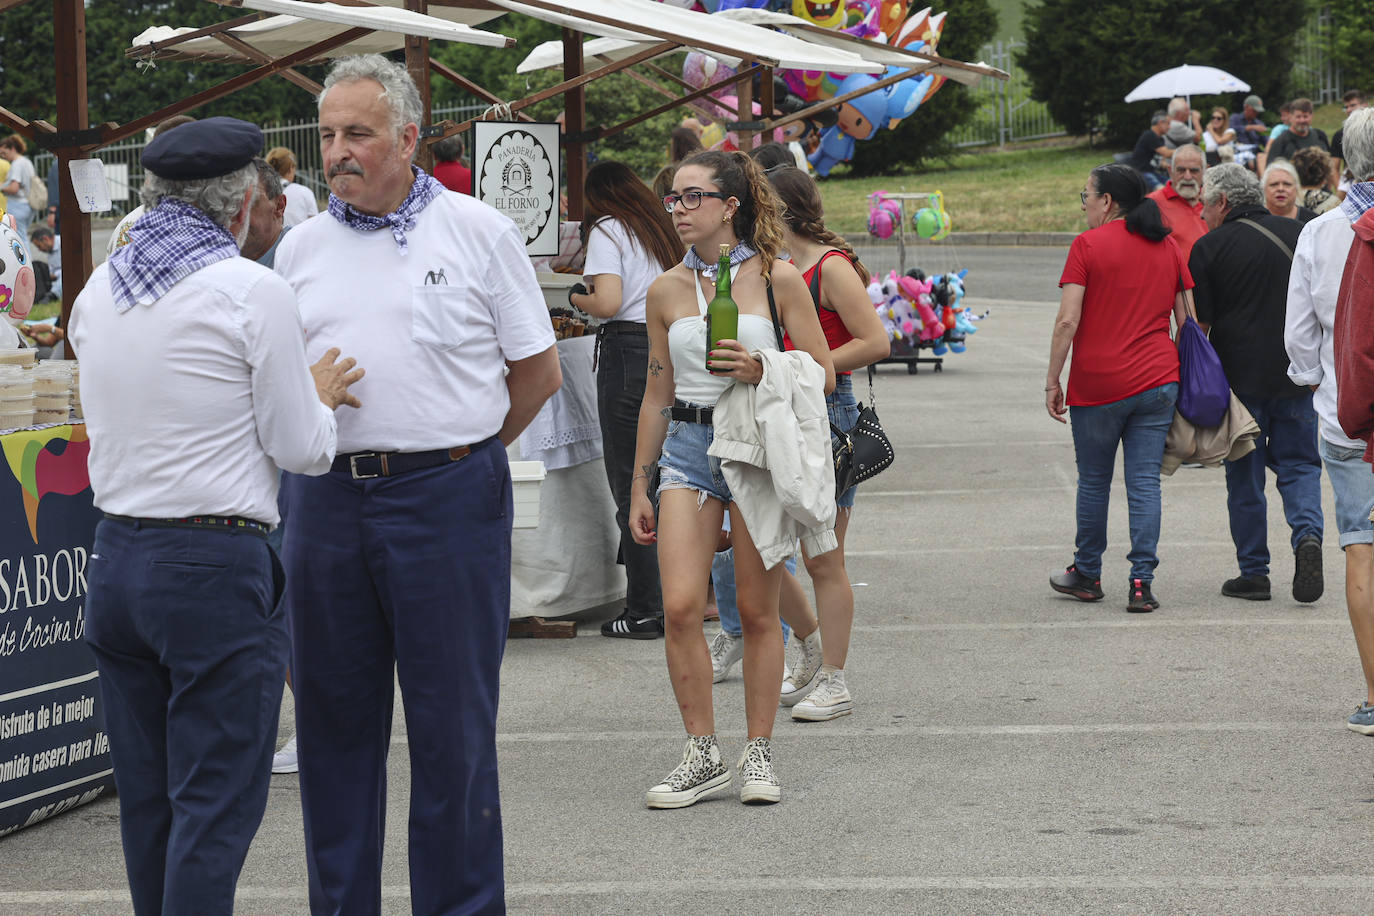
[398,89]
[1178,105]
[1190,148]
[1158,116]
[269,182]
[1357,143]
[449,149]
[1281,165]
[218,198]
[1239,184]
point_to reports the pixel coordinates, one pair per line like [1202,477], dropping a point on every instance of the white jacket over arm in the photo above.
[773,442]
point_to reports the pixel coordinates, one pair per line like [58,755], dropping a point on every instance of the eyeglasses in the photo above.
[1083,197]
[1218,118]
[691,199]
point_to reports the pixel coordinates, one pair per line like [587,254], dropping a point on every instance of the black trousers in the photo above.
[622,369]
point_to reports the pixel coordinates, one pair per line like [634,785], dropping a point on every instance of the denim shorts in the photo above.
[1352,482]
[684,464]
[844,413]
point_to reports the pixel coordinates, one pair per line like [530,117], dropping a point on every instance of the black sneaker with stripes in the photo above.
[627,626]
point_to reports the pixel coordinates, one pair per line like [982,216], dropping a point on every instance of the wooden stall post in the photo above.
[417,62]
[574,123]
[69,34]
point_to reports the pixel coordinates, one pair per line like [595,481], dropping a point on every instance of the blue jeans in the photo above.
[844,413]
[1140,424]
[1287,443]
[1352,484]
[190,642]
[723,579]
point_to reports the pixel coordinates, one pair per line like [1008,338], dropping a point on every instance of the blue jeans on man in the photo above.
[1287,444]
[1140,424]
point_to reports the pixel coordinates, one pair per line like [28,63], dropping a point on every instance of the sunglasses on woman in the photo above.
[691,199]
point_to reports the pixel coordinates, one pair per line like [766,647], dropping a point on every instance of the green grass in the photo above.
[1023,190]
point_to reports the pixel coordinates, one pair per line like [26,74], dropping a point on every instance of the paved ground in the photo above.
[1011,751]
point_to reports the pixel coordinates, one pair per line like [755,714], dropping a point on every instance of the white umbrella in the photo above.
[1187,81]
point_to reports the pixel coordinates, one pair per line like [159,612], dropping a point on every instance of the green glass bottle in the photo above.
[722,315]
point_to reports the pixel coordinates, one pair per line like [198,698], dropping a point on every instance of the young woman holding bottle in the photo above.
[718,198]
[837,282]
[629,241]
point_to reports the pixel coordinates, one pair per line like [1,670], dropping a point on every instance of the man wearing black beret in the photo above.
[182,613]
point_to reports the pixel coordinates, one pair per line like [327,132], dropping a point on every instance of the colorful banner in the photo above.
[54,754]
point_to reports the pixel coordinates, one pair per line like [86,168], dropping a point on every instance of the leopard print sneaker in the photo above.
[698,775]
[758,782]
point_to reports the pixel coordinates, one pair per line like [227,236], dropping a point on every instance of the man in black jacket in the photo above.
[1240,268]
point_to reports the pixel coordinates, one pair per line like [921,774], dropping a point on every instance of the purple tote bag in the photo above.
[1204,395]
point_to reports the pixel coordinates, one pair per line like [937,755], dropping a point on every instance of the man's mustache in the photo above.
[345,168]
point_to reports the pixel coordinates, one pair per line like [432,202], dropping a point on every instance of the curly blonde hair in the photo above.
[758,220]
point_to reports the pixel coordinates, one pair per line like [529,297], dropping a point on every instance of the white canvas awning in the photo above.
[642,23]
[299,24]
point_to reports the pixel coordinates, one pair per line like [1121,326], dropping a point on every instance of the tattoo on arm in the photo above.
[655,367]
[648,470]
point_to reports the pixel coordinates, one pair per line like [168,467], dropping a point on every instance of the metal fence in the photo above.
[1006,112]
[1315,74]
[124,172]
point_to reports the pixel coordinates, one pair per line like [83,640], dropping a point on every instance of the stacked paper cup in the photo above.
[16,397]
[76,389]
[24,356]
[52,391]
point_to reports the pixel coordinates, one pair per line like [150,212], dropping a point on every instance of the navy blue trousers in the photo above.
[405,577]
[191,647]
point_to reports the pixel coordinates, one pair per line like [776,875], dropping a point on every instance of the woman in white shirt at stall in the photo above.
[300,200]
[629,241]
[718,198]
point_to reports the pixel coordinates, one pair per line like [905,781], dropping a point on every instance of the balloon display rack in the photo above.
[901,351]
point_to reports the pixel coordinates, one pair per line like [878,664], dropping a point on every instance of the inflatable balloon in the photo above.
[828,14]
[884,214]
[17,283]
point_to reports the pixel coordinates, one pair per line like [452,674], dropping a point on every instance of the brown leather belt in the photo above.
[368,465]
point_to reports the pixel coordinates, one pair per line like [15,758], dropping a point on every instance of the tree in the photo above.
[922,136]
[1083,56]
[1351,38]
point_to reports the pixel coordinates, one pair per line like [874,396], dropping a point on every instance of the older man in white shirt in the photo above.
[1313,285]
[398,562]
[185,444]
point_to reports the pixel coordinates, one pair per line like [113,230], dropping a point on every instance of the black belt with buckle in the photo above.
[368,465]
[207,522]
[683,411]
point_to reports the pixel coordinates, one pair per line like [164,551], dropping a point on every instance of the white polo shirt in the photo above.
[433,328]
[300,204]
[194,401]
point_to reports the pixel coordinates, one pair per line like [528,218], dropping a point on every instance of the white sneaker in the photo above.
[284,760]
[803,676]
[758,782]
[699,774]
[726,650]
[828,700]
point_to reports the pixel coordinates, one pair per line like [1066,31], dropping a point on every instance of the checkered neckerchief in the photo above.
[167,244]
[1358,199]
[402,221]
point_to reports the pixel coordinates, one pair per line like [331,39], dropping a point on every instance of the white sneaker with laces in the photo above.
[758,782]
[803,676]
[699,774]
[726,650]
[284,760]
[829,699]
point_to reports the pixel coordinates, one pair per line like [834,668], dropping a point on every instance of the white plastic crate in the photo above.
[526,478]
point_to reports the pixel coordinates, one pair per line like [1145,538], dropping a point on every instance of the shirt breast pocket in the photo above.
[440,316]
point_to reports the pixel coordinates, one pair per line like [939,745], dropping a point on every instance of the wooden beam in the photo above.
[261,57]
[9,4]
[468,85]
[229,86]
[574,123]
[69,45]
[20,125]
[640,78]
[861,43]
[689,97]
[838,100]
[417,64]
[151,48]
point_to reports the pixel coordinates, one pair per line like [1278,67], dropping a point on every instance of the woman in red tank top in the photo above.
[816,690]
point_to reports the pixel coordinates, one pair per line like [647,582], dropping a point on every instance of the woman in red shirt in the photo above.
[1123,278]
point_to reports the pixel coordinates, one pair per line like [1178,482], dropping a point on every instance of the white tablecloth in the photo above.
[567,564]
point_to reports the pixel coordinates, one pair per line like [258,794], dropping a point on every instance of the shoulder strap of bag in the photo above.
[1288,252]
[773,312]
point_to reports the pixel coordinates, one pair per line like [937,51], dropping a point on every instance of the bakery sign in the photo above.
[515,170]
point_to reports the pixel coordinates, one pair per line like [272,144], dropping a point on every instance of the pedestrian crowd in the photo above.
[1281,290]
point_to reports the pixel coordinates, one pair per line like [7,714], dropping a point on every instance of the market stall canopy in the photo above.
[299,24]
[1187,81]
[639,24]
